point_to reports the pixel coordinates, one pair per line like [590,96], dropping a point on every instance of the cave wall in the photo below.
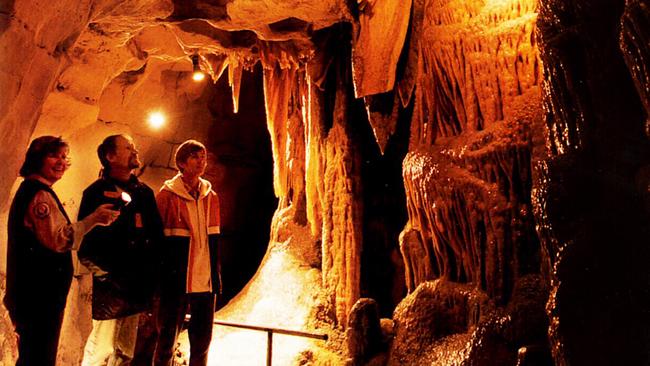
[468,171]
[476,134]
[476,127]
[591,193]
[36,49]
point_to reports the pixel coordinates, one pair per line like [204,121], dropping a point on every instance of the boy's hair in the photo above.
[38,150]
[186,149]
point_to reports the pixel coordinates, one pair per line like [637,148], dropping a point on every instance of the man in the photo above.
[121,256]
[190,272]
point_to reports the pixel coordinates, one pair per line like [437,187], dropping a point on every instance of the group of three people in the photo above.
[137,245]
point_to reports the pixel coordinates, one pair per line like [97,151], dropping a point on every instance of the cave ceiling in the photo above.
[170,30]
[130,41]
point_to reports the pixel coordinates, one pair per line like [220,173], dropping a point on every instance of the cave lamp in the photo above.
[156,119]
[197,73]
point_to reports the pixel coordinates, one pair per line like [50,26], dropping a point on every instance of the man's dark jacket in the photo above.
[127,250]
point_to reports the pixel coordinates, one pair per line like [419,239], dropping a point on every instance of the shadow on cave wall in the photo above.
[6,9]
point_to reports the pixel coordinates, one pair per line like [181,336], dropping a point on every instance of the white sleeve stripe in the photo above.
[177,232]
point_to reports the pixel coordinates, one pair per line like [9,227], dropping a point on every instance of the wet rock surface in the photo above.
[589,211]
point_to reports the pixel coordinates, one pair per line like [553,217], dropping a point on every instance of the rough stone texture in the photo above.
[634,40]
[634,45]
[468,170]
[452,324]
[31,47]
[588,207]
[475,135]
[434,310]
[376,49]
[363,333]
[7,335]
[533,356]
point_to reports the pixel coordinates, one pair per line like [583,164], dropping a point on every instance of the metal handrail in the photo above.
[269,331]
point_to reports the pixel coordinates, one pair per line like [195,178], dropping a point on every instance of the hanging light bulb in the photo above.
[198,74]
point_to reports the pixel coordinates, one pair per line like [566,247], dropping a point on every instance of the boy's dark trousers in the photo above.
[171,314]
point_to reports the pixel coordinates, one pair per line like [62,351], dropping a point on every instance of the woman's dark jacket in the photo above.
[36,275]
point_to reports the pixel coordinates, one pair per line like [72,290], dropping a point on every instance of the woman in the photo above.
[39,263]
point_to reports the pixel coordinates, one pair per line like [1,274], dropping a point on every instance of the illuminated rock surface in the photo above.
[478,168]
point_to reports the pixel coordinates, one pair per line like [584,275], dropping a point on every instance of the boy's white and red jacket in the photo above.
[190,252]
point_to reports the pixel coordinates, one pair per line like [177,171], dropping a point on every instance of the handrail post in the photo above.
[269,348]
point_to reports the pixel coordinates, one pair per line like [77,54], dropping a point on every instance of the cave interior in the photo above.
[427,182]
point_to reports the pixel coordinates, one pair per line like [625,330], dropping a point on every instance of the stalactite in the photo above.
[408,77]
[296,153]
[216,64]
[316,162]
[286,55]
[382,112]
[383,25]
[314,168]
[332,168]
[277,92]
[235,70]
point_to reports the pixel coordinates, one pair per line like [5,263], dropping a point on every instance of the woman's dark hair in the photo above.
[108,146]
[38,150]
[186,149]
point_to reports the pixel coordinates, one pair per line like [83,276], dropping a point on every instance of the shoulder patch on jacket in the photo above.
[42,210]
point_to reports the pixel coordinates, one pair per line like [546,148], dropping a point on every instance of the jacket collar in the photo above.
[176,186]
[39,178]
[132,183]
